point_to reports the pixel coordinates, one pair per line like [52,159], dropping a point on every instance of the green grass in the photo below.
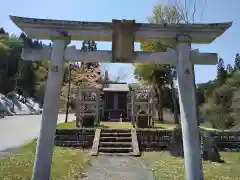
[164,126]
[67,163]
[207,126]
[67,125]
[119,125]
[166,167]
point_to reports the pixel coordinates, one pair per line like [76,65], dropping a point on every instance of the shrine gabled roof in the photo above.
[116,87]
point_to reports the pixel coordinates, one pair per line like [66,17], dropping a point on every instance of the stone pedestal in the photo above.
[142,120]
[88,121]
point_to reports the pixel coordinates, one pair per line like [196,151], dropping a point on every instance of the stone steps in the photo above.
[115,144]
[115,141]
[115,149]
[115,134]
[120,142]
[116,154]
[113,130]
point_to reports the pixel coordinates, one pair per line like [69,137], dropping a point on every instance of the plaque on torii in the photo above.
[123,34]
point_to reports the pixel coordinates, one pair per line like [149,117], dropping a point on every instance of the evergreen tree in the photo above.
[27,42]
[32,73]
[2,31]
[88,46]
[237,62]
[221,72]
[229,69]
[10,51]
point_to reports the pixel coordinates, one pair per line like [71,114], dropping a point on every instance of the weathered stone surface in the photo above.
[116,141]
[75,137]
[94,151]
[176,143]
[209,148]
[153,139]
[142,121]
[88,121]
[226,140]
[135,146]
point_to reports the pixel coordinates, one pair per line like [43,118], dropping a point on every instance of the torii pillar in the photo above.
[187,101]
[45,143]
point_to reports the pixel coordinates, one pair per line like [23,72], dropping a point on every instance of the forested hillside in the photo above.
[28,78]
[220,98]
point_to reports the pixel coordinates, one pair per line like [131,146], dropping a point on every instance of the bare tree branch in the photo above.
[189,9]
[194,11]
[185,9]
[119,77]
[205,5]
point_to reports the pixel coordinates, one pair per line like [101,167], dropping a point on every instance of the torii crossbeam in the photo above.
[122,34]
[72,54]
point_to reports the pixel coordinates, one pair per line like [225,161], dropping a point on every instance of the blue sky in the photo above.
[105,10]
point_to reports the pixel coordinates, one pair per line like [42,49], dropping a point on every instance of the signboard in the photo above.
[54,68]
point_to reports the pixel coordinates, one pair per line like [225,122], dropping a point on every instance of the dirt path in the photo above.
[118,168]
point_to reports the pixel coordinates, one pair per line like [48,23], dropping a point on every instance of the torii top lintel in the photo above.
[102,31]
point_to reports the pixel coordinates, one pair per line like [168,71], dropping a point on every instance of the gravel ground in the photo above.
[118,168]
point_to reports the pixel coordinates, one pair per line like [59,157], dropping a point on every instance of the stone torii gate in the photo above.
[122,34]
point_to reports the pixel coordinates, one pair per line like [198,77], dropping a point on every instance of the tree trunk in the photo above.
[159,105]
[1,81]
[175,109]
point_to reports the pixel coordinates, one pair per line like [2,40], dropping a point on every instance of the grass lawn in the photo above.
[208,126]
[163,126]
[67,163]
[166,167]
[67,125]
[120,125]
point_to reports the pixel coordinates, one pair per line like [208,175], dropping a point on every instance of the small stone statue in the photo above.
[209,148]
[176,143]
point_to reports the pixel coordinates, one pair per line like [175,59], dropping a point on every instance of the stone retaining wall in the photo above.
[153,139]
[225,140]
[148,139]
[75,137]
